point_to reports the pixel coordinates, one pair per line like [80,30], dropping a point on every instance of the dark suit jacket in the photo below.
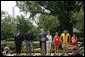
[18,38]
[42,35]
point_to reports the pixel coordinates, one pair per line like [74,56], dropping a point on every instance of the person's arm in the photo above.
[69,39]
[14,38]
[76,39]
[45,35]
[61,38]
[46,38]
[31,37]
[72,40]
[21,37]
[51,39]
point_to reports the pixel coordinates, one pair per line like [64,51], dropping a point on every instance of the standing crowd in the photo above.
[45,40]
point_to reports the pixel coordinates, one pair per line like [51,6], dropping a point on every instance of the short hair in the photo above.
[66,30]
[6,48]
[28,29]
[41,30]
[48,31]
[56,32]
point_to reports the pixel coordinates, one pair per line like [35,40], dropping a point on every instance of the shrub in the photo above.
[10,39]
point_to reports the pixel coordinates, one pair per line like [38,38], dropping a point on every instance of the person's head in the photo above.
[56,33]
[29,31]
[42,30]
[48,32]
[18,31]
[66,31]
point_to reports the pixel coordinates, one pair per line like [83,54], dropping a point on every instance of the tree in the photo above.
[24,24]
[79,17]
[8,27]
[62,9]
[48,23]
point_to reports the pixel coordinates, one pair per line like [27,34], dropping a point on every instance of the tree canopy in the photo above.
[54,16]
[63,10]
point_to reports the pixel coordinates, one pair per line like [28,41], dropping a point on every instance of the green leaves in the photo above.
[79,18]
[48,22]
[7,27]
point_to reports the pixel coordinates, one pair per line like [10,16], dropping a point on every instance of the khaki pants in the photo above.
[65,45]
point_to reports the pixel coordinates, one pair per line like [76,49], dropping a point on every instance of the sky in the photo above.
[8,7]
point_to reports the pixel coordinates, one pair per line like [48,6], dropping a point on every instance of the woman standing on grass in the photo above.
[74,39]
[56,42]
[48,43]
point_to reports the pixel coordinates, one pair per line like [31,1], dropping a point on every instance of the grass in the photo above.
[35,44]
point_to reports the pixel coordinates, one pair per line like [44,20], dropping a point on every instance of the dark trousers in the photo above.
[18,48]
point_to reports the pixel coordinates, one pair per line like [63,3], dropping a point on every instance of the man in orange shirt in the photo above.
[65,39]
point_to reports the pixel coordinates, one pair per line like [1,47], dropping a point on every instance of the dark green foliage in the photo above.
[62,9]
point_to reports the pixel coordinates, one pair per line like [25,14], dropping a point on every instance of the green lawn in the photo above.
[11,44]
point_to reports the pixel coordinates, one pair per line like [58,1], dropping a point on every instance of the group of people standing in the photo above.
[20,37]
[45,40]
[64,39]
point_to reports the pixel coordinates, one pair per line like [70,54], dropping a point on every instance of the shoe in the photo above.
[29,54]
[54,54]
[63,52]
